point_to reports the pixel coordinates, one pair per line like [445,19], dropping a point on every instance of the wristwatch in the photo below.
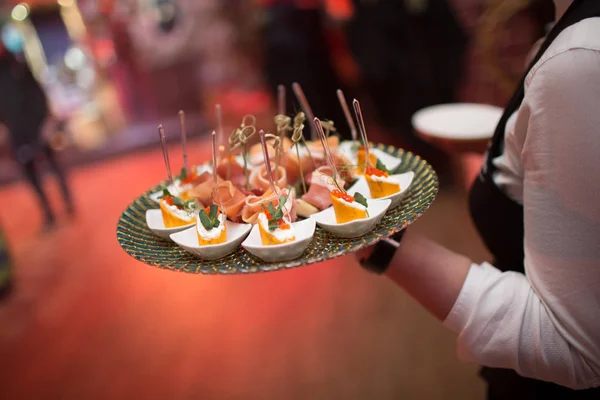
[377,258]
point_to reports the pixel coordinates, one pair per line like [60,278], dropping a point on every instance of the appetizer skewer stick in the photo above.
[328,157]
[378,179]
[346,208]
[210,222]
[369,159]
[275,223]
[161,134]
[215,175]
[305,107]
[283,125]
[183,138]
[265,149]
[219,116]
[363,131]
[347,114]
[281,100]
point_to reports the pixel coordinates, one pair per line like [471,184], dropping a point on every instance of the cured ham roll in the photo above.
[321,184]
[233,200]
[236,171]
[254,205]
[316,147]
[258,177]
[256,152]
[202,187]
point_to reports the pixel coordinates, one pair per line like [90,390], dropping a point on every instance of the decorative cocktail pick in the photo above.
[349,119]
[161,134]
[283,126]
[231,143]
[215,175]
[265,149]
[359,198]
[363,131]
[219,116]
[327,151]
[281,100]
[305,106]
[240,137]
[297,137]
[183,139]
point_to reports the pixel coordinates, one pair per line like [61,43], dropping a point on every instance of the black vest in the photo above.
[499,221]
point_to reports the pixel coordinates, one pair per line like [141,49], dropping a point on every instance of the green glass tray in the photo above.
[139,242]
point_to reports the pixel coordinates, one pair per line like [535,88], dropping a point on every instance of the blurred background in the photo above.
[82,320]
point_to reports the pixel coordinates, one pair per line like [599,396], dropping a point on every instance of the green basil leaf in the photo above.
[213,211]
[381,166]
[182,174]
[216,223]
[165,193]
[282,201]
[360,199]
[206,222]
[178,202]
[273,225]
[271,209]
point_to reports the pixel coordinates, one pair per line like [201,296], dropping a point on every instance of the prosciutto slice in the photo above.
[254,205]
[236,171]
[233,200]
[202,187]
[316,148]
[321,185]
[258,177]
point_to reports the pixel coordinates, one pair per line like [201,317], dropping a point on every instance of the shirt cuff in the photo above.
[467,299]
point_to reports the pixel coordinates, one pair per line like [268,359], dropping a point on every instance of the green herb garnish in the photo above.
[187,205]
[183,174]
[360,199]
[381,166]
[210,220]
[165,193]
[276,214]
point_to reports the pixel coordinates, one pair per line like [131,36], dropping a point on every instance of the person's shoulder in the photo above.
[574,54]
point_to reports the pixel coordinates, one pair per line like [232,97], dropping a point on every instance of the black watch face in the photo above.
[381,257]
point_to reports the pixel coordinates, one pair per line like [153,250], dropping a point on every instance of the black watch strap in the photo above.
[383,252]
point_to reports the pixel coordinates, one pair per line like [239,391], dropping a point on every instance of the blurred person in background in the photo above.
[411,55]
[24,111]
[296,47]
[532,316]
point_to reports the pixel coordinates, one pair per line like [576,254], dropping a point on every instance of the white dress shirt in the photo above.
[546,324]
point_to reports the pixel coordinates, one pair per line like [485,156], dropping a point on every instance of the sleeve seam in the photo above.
[543,62]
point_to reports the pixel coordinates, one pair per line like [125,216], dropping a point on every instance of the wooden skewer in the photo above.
[219,126]
[349,119]
[183,138]
[327,150]
[363,130]
[305,107]
[219,121]
[281,100]
[161,134]
[265,150]
[214,159]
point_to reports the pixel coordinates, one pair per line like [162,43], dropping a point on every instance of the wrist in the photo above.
[378,257]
